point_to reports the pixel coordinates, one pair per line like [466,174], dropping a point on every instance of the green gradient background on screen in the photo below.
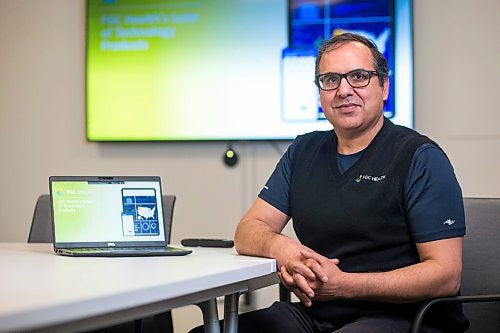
[217,78]
[71,201]
[122,86]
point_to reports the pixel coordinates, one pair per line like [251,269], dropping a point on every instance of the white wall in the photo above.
[42,118]
[457,84]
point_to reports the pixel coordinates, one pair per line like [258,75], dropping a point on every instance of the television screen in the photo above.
[173,70]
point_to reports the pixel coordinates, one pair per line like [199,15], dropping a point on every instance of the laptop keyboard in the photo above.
[142,251]
[130,249]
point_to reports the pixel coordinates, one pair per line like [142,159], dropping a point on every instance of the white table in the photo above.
[40,290]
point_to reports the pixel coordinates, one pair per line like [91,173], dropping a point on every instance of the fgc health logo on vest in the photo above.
[362,178]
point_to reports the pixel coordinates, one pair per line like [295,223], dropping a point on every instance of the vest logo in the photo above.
[449,222]
[369,178]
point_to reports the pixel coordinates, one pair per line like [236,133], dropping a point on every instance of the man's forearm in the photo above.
[409,284]
[437,274]
[256,238]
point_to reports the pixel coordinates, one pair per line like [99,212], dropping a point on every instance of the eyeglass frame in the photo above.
[344,76]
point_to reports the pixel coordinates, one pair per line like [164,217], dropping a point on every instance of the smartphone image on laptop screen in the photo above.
[140,206]
[109,216]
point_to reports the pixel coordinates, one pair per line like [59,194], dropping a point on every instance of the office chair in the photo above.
[41,232]
[41,224]
[480,271]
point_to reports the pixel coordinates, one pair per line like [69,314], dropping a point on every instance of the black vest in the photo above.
[359,216]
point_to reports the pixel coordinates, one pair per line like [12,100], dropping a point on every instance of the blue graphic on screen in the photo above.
[312,22]
[140,212]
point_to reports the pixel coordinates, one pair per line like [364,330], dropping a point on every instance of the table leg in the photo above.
[231,313]
[210,316]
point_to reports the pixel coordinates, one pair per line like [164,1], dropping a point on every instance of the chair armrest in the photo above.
[419,316]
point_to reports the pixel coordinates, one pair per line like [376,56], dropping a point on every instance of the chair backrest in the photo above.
[481,262]
[168,213]
[41,224]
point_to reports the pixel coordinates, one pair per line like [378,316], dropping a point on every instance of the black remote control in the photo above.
[207,242]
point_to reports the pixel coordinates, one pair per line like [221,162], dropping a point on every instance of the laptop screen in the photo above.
[116,211]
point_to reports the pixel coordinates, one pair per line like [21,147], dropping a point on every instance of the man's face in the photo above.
[352,110]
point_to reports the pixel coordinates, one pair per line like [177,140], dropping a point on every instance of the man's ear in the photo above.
[386,89]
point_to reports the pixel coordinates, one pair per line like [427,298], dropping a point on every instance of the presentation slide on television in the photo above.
[228,69]
[107,211]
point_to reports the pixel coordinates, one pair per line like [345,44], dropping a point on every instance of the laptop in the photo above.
[109,217]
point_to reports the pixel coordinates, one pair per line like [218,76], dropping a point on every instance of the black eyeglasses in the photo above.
[357,78]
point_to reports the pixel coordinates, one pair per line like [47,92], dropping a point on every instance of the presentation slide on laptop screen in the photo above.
[97,211]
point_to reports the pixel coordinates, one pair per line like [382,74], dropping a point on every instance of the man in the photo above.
[376,207]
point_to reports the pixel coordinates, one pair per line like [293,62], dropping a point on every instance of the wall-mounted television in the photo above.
[173,70]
